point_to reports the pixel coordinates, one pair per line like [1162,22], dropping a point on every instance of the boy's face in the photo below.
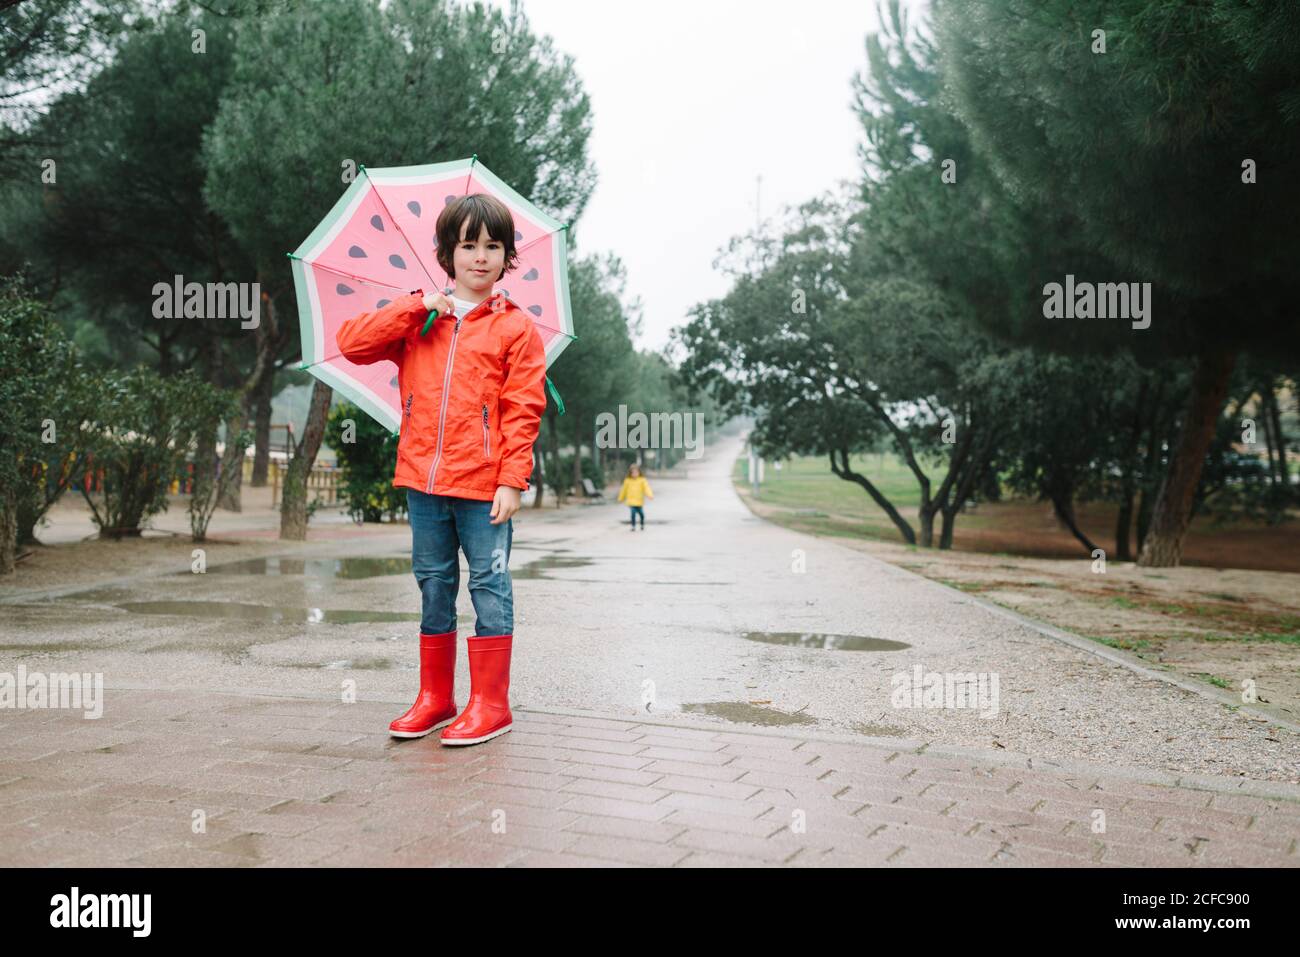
[478,262]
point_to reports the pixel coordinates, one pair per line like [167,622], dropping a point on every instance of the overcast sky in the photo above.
[692,101]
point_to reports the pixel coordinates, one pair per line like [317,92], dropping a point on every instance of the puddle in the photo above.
[52,648]
[623,583]
[538,567]
[747,713]
[645,558]
[234,649]
[105,595]
[649,582]
[346,568]
[804,639]
[269,613]
[363,664]
[353,664]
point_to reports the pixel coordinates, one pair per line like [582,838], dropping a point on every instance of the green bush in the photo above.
[559,474]
[367,454]
[141,435]
[208,407]
[46,395]
[39,422]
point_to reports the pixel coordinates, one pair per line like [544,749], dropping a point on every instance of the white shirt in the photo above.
[463,306]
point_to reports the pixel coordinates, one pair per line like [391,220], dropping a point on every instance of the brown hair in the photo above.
[481,210]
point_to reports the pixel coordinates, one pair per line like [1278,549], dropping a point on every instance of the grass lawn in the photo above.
[805,494]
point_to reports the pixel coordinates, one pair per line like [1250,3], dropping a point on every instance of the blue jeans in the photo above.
[636,510]
[441,524]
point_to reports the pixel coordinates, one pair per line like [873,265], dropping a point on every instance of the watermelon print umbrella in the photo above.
[378,242]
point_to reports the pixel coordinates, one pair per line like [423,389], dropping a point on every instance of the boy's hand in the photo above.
[438,305]
[504,504]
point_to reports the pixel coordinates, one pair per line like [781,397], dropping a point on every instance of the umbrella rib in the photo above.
[469,174]
[336,355]
[380,196]
[534,242]
[340,272]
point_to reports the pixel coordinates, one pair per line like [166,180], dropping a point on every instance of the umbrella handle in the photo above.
[555,393]
[432,315]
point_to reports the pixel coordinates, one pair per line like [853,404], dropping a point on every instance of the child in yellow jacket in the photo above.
[635,489]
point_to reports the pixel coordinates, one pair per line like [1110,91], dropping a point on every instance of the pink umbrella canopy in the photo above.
[378,243]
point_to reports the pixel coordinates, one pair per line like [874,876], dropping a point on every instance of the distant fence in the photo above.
[322,482]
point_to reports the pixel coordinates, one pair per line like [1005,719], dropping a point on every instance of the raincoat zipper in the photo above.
[407,414]
[487,443]
[442,412]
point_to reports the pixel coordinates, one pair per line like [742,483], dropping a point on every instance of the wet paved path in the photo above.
[645,634]
[295,782]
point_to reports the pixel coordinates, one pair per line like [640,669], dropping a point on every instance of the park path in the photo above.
[641,704]
[203,779]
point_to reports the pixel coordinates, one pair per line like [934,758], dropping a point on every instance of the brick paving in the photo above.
[296,781]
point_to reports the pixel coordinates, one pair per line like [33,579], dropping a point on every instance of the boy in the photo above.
[472,400]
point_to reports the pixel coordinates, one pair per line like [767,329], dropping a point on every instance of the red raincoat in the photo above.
[473,392]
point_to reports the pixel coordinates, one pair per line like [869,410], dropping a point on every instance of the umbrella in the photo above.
[378,243]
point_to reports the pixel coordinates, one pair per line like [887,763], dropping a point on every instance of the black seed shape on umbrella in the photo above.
[414,207]
[377,221]
[519,237]
[343,290]
[356,252]
[535,310]
[397,261]
[382,302]
[393,382]
[531,274]
[448,199]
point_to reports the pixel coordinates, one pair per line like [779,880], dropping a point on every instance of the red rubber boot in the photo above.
[488,712]
[435,706]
